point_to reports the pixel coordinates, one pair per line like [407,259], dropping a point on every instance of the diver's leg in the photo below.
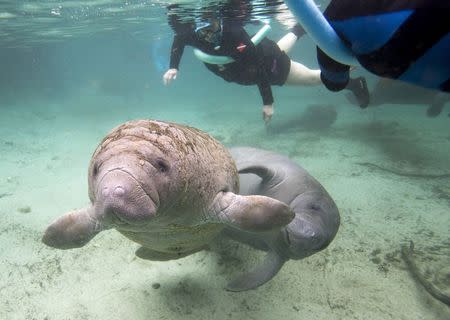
[358,86]
[302,76]
[287,42]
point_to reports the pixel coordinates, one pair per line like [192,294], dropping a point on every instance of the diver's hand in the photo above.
[267,113]
[170,75]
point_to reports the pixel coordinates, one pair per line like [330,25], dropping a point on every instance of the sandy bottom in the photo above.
[45,148]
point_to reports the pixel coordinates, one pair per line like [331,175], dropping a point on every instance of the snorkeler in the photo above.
[397,39]
[263,65]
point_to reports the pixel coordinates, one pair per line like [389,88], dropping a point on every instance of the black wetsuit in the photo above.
[263,65]
[407,40]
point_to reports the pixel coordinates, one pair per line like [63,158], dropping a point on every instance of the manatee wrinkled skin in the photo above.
[169,187]
[314,226]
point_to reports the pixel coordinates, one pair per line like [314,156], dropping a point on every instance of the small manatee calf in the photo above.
[171,188]
[316,219]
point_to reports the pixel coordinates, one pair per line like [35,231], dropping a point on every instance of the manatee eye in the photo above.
[95,169]
[162,165]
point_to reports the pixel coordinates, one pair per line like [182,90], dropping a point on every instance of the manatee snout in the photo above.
[314,226]
[122,200]
[303,239]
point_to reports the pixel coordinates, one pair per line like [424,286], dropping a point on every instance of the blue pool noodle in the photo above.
[320,31]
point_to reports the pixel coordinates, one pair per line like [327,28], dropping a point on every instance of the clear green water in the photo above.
[72,70]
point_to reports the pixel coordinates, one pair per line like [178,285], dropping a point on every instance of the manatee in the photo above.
[314,226]
[168,187]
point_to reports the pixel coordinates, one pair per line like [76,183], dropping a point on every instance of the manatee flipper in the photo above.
[270,177]
[72,230]
[260,170]
[258,276]
[250,213]
[153,255]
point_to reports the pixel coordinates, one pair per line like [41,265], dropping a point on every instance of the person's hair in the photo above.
[175,19]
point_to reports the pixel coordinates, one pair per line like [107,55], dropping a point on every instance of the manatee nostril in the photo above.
[95,170]
[119,191]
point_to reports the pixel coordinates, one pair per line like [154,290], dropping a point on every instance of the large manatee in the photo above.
[171,188]
[314,226]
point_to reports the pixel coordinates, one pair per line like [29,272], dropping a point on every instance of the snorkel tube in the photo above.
[320,31]
[212,59]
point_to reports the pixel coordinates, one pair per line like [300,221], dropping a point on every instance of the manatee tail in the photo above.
[258,276]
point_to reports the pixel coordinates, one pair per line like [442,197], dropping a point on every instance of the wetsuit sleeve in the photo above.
[265,90]
[334,75]
[264,85]
[176,51]
[245,51]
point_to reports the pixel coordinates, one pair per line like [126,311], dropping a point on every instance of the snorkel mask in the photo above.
[205,31]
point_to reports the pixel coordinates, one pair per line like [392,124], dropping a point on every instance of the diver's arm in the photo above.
[266,93]
[176,53]
[265,89]
[247,52]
